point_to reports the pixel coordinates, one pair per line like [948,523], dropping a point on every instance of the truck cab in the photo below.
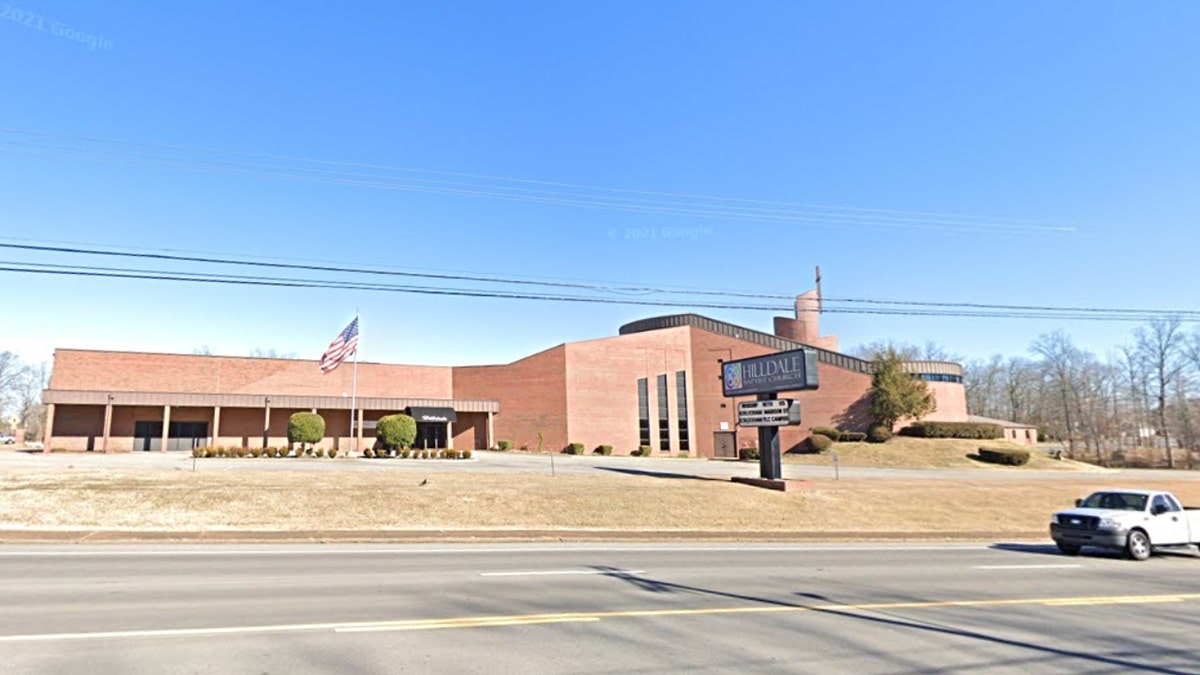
[1135,521]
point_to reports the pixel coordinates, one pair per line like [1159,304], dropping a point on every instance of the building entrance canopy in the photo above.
[423,414]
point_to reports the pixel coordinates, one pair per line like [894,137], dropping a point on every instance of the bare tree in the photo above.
[260,353]
[1160,345]
[10,380]
[1060,362]
[31,413]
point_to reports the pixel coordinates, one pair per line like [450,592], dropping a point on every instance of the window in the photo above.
[643,413]
[681,418]
[664,420]
[1163,502]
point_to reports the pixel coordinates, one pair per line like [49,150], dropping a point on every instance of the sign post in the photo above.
[765,377]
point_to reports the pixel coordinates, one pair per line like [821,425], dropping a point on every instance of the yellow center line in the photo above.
[526,619]
[582,617]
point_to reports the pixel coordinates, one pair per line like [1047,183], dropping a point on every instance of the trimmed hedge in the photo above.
[605,450]
[1007,456]
[748,454]
[819,443]
[306,427]
[969,430]
[828,432]
[396,431]
[574,449]
[852,437]
[879,433]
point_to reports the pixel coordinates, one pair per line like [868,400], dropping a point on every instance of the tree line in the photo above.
[21,386]
[1144,394]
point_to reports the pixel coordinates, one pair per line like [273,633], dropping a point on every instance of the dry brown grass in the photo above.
[305,501]
[935,453]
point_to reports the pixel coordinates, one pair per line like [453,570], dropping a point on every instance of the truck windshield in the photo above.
[1123,501]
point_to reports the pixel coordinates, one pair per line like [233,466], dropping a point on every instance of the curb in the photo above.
[490,536]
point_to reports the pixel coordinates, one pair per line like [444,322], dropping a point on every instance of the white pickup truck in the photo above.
[1135,521]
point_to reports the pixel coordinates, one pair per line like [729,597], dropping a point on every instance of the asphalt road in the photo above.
[594,609]
[525,463]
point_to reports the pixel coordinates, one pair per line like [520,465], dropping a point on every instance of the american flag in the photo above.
[342,347]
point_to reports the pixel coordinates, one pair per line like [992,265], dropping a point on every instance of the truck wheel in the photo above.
[1138,545]
[1068,549]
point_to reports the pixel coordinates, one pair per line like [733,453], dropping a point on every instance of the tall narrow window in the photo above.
[664,420]
[681,417]
[643,413]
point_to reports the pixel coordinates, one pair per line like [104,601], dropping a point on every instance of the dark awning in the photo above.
[433,414]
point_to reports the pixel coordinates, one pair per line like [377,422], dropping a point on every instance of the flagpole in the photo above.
[354,433]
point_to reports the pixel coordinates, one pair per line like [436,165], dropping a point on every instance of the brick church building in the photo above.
[656,383]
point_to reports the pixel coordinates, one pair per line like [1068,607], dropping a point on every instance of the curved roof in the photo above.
[777,343]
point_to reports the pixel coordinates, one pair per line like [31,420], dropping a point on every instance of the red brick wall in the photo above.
[602,393]
[470,431]
[186,373]
[78,426]
[951,402]
[532,394]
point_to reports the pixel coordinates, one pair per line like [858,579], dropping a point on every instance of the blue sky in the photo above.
[1062,138]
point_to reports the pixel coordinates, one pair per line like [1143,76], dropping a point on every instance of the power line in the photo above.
[227,279]
[910,307]
[153,155]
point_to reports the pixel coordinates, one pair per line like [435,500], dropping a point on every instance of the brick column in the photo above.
[166,428]
[108,415]
[216,430]
[48,434]
[266,422]
[489,442]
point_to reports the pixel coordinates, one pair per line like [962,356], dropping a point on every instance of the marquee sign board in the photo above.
[770,413]
[783,371]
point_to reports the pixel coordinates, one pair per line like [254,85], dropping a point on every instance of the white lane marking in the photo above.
[540,573]
[599,548]
[181,632]
[1026,567]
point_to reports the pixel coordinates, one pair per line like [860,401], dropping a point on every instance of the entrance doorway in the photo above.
[430,435]
[147,436]
[725,445]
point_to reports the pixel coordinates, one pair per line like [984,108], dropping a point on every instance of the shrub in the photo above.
[396,431]
[828,432]
[1008,456]
[684,454]
[969,430]
[305,428]
[643,451]
[320,452]
[369,453]
[574,449]
[333,452]
[466,454]
[242,452]
[819,443]
[605,450]
[852,437]
[255,452]
[879,433]
[748,454]
[504,446]
[405,453]
[197,452]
